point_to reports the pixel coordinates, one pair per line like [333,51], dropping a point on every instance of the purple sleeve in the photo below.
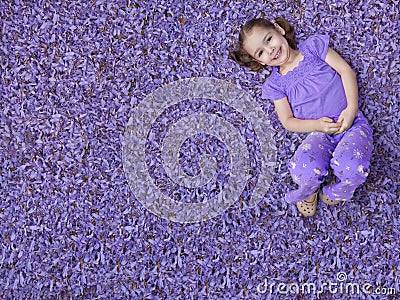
[271,92]
[318,45]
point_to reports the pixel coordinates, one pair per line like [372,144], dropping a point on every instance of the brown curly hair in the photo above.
[243,58]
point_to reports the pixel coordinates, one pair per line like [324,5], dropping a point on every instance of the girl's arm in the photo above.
[291,123]
[349,80]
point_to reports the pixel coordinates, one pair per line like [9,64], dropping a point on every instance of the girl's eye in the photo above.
[268,40]
[260,53]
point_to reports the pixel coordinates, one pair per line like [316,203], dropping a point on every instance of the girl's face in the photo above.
[267,46]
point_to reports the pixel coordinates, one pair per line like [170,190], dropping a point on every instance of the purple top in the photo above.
[314,89]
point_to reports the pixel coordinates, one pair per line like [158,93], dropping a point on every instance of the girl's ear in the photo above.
[279,29]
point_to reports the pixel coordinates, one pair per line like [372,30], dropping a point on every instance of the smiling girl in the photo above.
[314,91]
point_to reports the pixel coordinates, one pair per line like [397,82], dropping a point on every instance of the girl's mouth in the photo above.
[277,54]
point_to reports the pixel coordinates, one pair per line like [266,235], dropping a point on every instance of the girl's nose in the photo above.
[271,50]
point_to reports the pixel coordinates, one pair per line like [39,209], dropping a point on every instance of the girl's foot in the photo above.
[325,199]
[308,207]
[328,201]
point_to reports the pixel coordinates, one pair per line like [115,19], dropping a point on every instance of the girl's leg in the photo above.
[309,165]
[350,161]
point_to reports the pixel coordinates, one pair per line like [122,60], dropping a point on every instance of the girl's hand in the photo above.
[346,119]
[327,125]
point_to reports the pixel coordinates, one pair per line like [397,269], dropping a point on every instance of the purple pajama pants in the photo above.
[346,154]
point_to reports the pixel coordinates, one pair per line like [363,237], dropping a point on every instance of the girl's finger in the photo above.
[326,119]
[343,128]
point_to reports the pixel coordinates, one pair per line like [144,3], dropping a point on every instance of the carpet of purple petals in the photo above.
[70,227]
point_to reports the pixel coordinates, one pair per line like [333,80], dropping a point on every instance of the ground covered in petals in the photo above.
[72,74]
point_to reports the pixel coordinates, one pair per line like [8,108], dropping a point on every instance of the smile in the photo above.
[277,54]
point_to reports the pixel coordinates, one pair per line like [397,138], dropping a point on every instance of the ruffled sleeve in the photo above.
[318,45]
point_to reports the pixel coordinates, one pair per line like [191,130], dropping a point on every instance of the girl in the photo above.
[314,91]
